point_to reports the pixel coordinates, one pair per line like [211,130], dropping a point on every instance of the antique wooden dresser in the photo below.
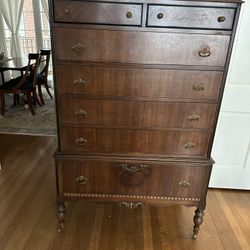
[138,91]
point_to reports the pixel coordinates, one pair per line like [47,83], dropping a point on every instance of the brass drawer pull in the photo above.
[82,180]
[160,15]
[80,113]
[79,82]
[221,19]
[184,184]
[198,87]
[81,141]
[78,47]
[129,14]
[189,145]
[194,117]
[66,12]
[205,52]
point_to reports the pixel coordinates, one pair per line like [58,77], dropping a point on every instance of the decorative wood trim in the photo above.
[119,196]
[131,205]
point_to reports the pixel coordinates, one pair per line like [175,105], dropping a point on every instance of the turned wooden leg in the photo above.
[60,215]
[198,219]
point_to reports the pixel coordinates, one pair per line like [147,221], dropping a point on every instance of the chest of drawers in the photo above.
[138,86]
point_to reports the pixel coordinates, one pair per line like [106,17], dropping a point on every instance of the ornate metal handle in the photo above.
[160,15]
[198,87]
[82,180]
[80,113]
[129,14]
[79,82]
[221,19]
[189,145]
[194,117]
[204,52]
[184,184]
[131,205]
[78,47]
[81,141]
[134,168]
[66,12]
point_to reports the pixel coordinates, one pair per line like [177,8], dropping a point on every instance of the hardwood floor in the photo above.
[28,218]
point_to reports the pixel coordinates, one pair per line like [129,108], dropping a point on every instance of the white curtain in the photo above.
[2,36]
[12,11]
[45,8]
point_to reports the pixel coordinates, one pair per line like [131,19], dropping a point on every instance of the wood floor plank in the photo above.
[28,212]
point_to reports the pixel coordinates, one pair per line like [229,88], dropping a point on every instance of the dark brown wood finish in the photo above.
[132,178]
[190,17]
[137,106]
[134,142]
[134,114]
[97,12]
[138,82]
[140,47]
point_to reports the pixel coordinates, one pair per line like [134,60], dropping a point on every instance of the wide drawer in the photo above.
[141,180]
[140,47]
[135,114]
[190,17]
[98,12]
[138,82]
[134,142]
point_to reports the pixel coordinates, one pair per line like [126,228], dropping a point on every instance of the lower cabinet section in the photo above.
[131,182]
[132,178]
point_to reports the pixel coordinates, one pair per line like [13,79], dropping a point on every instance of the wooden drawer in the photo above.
[134,142]
[98,12]
[140,47]
[190,17]
[123,81]
[132,178]
[135,114]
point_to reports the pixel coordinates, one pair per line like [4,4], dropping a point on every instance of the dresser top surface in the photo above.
[161,1]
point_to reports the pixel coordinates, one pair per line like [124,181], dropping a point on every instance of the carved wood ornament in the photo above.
[133,175]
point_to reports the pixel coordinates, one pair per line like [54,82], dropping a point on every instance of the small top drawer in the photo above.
[98,12]
[190,17]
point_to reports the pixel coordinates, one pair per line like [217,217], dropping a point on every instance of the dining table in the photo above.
[15,63]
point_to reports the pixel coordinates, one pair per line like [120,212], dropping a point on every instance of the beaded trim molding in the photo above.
[117,196]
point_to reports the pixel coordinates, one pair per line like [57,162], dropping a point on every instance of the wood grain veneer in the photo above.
[140,47]
[97,12]
[138,82]
[139,86]
[190,17]
[127,113]
[156,180]
[134,142]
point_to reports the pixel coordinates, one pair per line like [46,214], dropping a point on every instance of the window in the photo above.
[27,33]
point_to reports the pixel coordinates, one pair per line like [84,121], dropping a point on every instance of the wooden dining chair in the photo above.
[25,84]
[42,77]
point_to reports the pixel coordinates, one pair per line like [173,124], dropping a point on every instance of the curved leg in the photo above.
[60,215]
[198,219]
[47,88]
[40,93]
